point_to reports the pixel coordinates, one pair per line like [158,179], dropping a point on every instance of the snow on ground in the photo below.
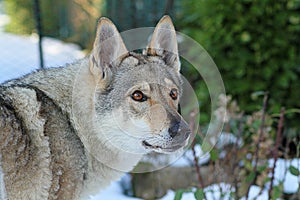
[19,54]
[215,191]
[219,191]
[188,159]
[290,182]
[112,192]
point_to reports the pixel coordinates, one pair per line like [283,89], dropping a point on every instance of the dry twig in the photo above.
[275,150]
[193,115]
[260,136]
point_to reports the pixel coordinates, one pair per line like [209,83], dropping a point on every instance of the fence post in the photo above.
[37,14]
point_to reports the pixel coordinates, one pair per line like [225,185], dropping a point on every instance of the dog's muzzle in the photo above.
[179,131]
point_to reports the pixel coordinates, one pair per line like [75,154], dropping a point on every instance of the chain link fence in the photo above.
[28,29]
[20,53]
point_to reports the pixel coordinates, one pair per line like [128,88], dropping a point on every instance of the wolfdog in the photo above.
[67,132]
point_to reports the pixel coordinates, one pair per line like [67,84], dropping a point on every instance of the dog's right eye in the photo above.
[138,96]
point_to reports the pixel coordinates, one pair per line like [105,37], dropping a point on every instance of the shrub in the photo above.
[255,44]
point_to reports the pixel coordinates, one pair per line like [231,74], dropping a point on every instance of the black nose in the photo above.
[173,131]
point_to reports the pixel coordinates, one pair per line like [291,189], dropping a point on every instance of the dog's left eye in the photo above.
[139,96]
[174,94]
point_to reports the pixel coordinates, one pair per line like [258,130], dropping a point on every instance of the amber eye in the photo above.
[138,96]
[174,94]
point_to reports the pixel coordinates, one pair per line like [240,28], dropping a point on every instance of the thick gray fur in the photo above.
[67,132]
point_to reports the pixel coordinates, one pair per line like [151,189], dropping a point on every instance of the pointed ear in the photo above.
[164,43]
[108,50]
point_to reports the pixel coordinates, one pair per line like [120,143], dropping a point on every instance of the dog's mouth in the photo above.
[168,149]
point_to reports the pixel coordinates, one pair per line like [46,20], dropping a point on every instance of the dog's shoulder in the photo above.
[21,138]
[36,135]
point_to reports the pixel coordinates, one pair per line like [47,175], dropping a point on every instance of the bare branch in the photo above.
[193,115]
[260,136]
[275,150]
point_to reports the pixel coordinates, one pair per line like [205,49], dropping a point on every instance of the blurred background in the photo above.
[254,43]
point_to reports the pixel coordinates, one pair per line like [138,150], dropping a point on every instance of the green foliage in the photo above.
[21,16]
[199,194]
[251,176]
[255,44]
[248,163]
[293,170]
[214,154]
[277,191]
[179,193]
[72,21]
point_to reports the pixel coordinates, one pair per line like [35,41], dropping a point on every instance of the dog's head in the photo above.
[137,96]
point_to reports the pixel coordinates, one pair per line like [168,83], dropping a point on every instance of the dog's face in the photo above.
[138,98]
